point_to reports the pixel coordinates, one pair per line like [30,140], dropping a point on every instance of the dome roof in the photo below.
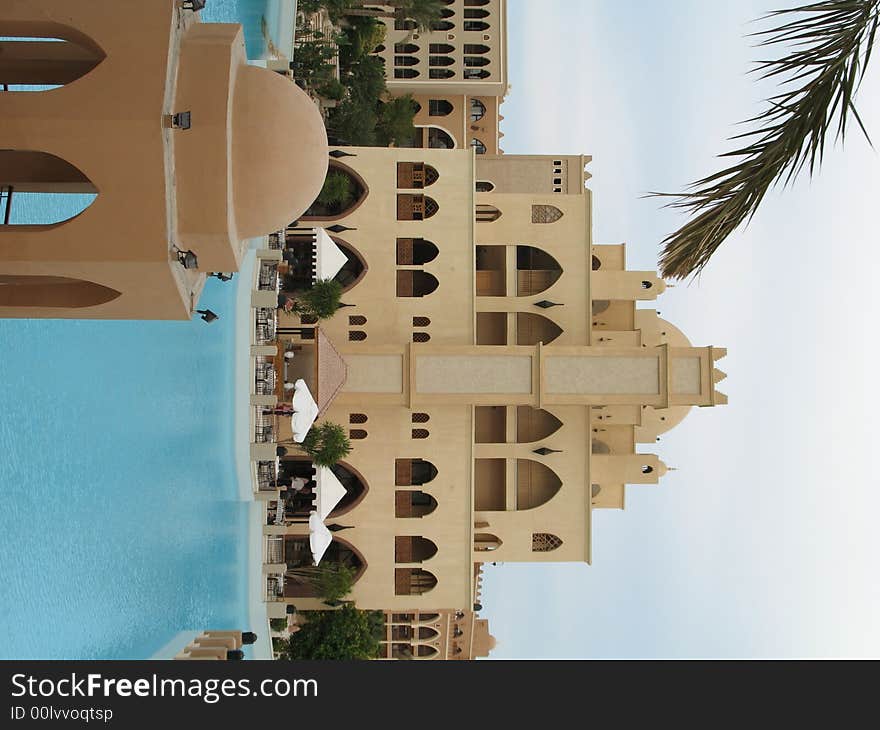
[279,151]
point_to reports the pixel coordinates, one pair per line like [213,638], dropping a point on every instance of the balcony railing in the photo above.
[267,475]
[264,376]
[276,240]
[275,588]
[264,428]
[274,549]
[268,278]
[266,325]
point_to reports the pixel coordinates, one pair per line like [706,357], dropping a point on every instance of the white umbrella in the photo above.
[319,537]
[305,410]
[329,259]
[330,491]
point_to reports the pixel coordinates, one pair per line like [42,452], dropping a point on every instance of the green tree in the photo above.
[396,121]
[326,444]
[346,633]
[331,581]
[421,12]
[336,190]
[831,45]
[322,300]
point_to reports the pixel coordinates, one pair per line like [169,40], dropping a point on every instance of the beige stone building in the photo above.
[492,365]
[456,72]
[161,117]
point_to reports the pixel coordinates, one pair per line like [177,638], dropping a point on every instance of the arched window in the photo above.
[439,139]
[484,542]
[600,305]
[440,48]
[413,504]
[536,484]
[535,424]
[406,48]
[414,283]
[475,61]
[439,107]
[478,110]
[18,290]
[544,542]
[357,433]
[405,73]
[413,472]
[534,328]
[415,251]
[37,188]
[420,418]
[416,175]
[420,433]
[343,191]
[440,61]
[545,214]
[426,632]
[353,270]
[356,320]
[406,61]
[440,73]
[536,271]
[297,554]
[475,49]
[446,12]
[476,73]
[475,25]
[594,490]
[442,25]
[415,207]
[596,263]
[413,549]
[413,582]
[405,24]
[483,186]
[421,337]
[487,213]
[357,417]
[478,146]
[356,487]
[29,63]
[421,321]
[599,447]
[475,3]
[356,335]
[469,13]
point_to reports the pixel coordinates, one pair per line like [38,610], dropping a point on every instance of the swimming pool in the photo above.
[121,523]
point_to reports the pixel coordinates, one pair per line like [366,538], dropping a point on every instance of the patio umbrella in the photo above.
[319,537]
[330,491]
[305,411]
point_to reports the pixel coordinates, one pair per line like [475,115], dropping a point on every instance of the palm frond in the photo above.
[829,48]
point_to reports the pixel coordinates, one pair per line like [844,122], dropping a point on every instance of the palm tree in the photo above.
[819,77]
[421,12]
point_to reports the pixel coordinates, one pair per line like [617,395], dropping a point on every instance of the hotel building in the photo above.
[492,366]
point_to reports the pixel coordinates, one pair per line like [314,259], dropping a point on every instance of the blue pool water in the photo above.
[120,524]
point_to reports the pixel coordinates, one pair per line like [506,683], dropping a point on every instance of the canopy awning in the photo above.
[331,371]
[319,537]
[305,411]
[330,491]
[329,258]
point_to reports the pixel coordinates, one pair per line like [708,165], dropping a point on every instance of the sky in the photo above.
[762,543]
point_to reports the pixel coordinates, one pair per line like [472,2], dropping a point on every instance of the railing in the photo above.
[266,475]
[274,588]
[266,325]
[276,240]
[268,279]
[264,428]
[264,376]
[274,549]
[6,195]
